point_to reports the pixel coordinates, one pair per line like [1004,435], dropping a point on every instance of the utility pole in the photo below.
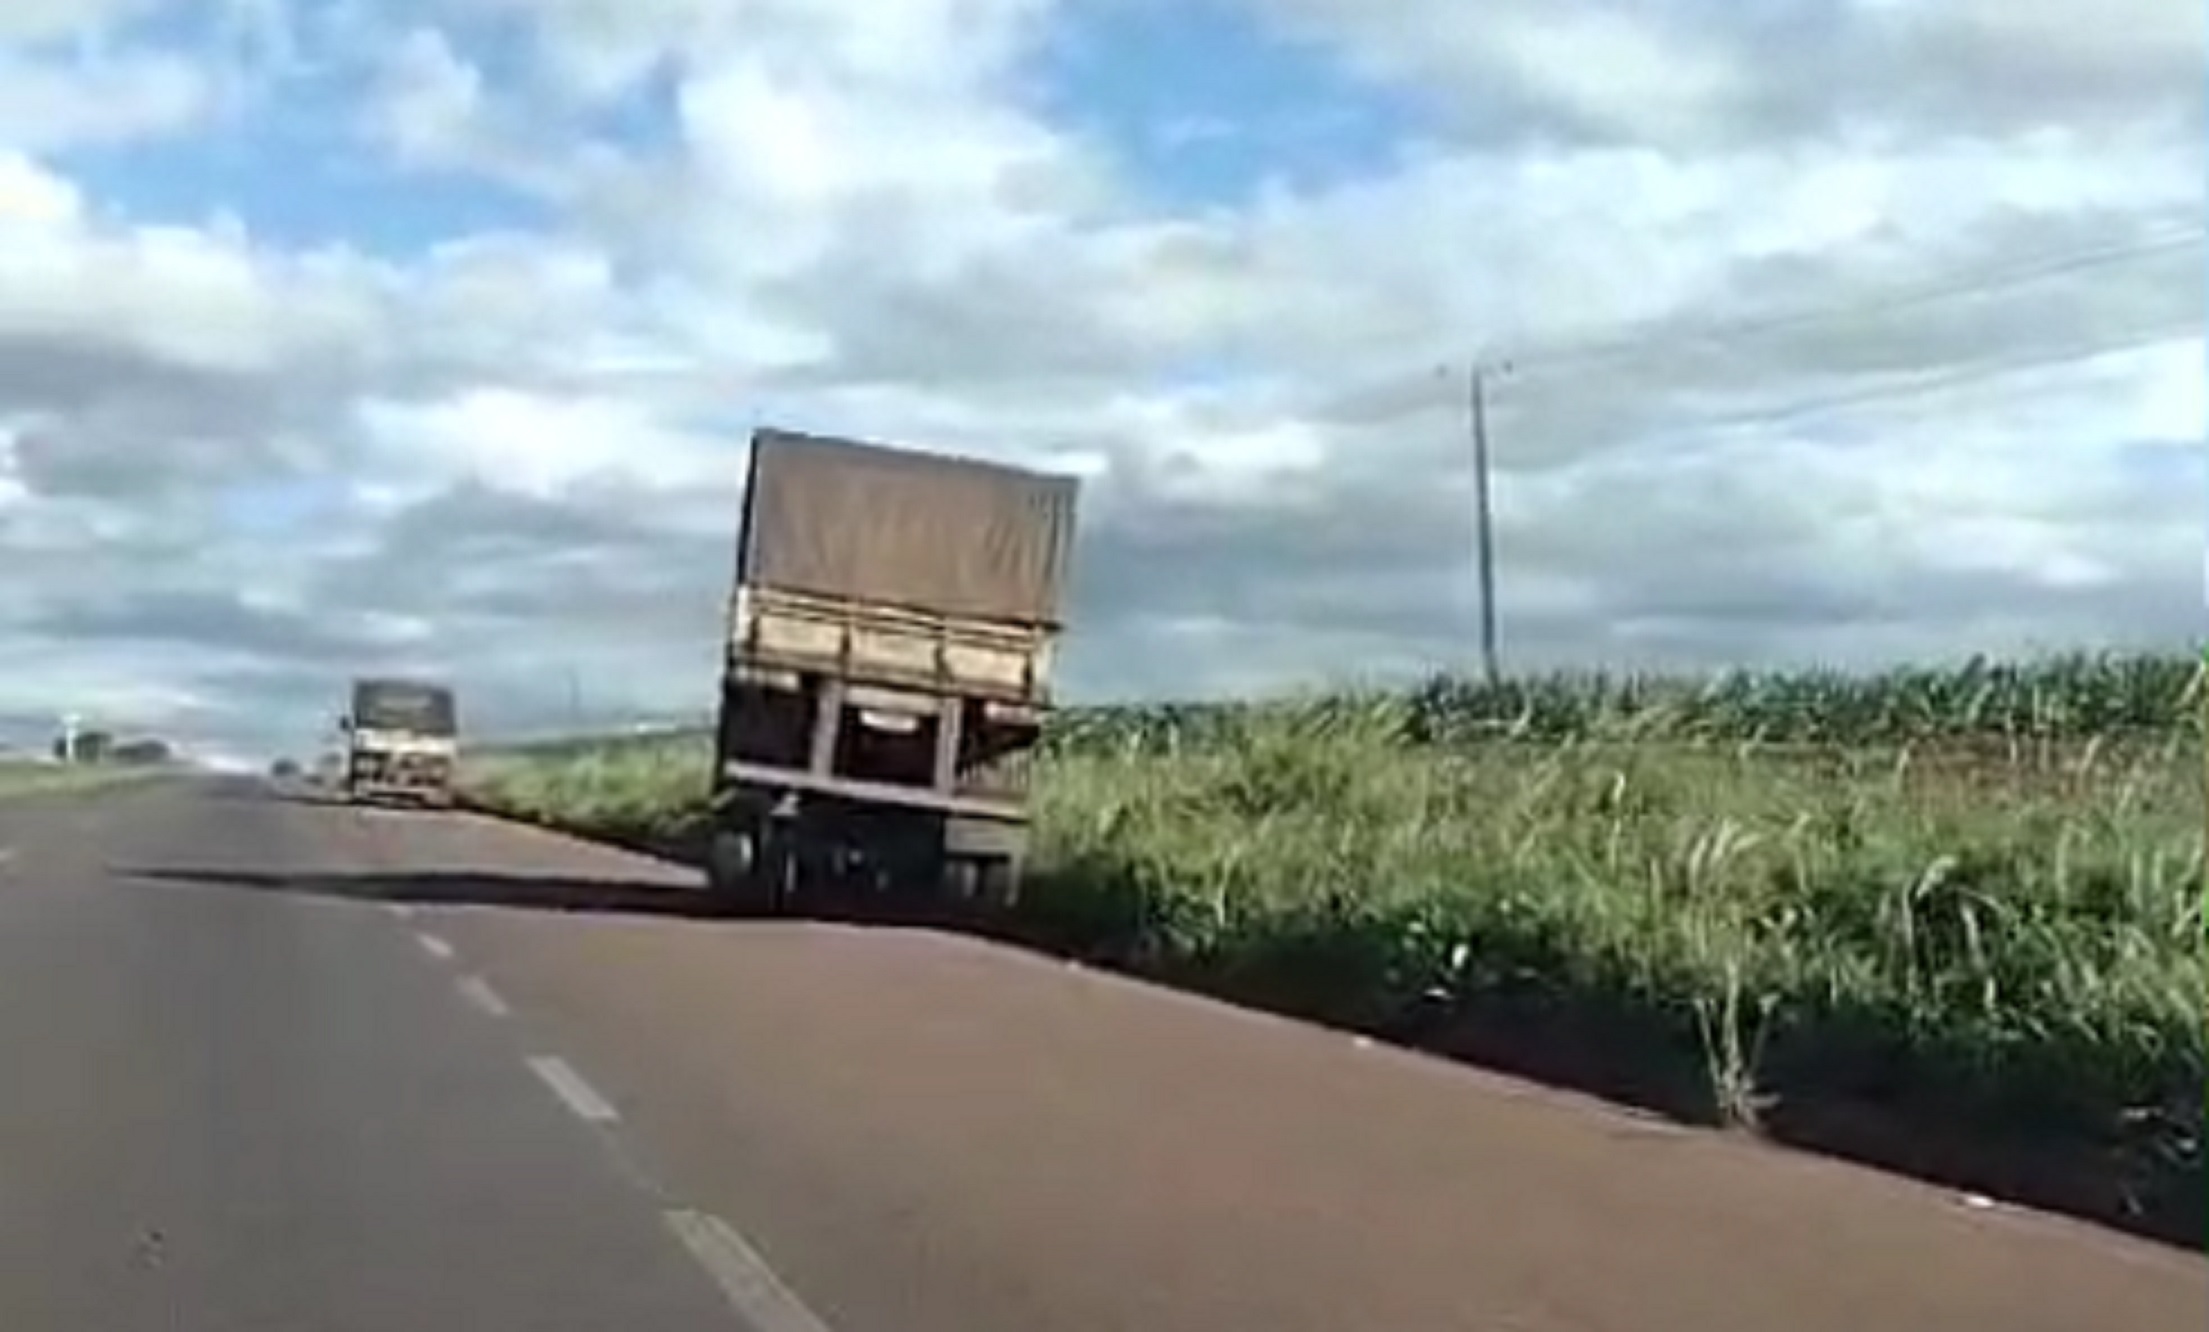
[1486,536]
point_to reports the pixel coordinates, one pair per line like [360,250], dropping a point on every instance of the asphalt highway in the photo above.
[274,1064]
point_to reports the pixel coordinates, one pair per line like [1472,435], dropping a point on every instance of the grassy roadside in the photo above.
[1977,955]
[22,779]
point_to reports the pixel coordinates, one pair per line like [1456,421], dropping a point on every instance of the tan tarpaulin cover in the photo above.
[951,536]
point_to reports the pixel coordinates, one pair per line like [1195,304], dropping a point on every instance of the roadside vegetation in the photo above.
[1948,919]
[24,777]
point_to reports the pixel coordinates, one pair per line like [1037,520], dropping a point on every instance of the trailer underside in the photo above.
[830,788]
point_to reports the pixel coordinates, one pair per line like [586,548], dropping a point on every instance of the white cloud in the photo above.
[189,299]
[908,158]
[49,20]
[34,198]
[595,49]
[48,103]
[429,103]
[1702,71]
[1618,70]
[547,447]
[236,469]
[13,490]
[2124,37]
[94,688]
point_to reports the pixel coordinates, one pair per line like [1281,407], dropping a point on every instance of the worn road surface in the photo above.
[273,1065]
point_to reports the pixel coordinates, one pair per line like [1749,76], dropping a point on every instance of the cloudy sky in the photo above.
[425,334]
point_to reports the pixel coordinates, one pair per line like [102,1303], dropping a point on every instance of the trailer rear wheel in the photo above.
[782,865]
[733,869]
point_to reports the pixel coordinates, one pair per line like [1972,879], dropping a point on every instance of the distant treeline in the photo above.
[102,747]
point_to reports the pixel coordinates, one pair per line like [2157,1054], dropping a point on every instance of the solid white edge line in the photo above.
[478,991]
[435,946]
[751,1286]
[577,1095]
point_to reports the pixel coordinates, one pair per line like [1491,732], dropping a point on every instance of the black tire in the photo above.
[733,869]
[785,870]
[755,869]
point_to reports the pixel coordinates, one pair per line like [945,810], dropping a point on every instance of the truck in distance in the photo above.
[886,671]
[400,742]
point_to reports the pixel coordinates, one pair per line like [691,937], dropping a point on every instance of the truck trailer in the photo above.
[886,671]
[401,741]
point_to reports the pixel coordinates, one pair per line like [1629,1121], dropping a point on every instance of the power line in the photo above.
[1959,377]
[1891,390]
[1656,334]
[1987,281]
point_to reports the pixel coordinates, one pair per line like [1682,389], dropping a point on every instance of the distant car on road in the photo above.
[284,770]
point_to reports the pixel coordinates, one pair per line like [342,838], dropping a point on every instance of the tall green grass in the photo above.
[2072,697]
[1978,894]
[2045,917]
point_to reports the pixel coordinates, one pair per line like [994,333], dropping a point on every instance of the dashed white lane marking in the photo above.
[7,855]
[751,1286]
[399,909]
[567,1084]
[478,991]
[435,946]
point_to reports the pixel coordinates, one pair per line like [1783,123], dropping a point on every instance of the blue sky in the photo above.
[1203,106]
[300,189]
[294,163]
[1199,105]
